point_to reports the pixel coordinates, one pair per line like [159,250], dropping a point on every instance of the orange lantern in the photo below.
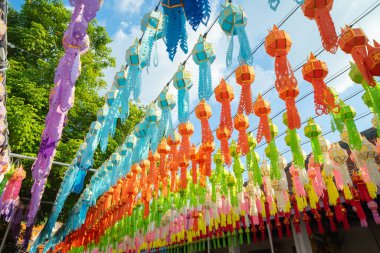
[144,181]
[241,123]
[262,110]
[207,148]
[185,130]
[223,134]
[353,41]
[314,71]
[163,149]
[277,45]
[194,162]
[245,75]
[224,94]
[183,164]
[319,10]
[173,157]
[153,179]
[203,113]
[372,61]
[289,93]
[201,160]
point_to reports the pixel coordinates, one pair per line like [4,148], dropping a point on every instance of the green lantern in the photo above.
[347,114]
[373,93]
[271,152]
[313,131]
[252,160]
[293,141]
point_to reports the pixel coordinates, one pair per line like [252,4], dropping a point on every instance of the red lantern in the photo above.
[194,162]
[353,41]
[372,61]
[223,134]
[163,149]
[245,76]
[262,110]
[319,10]
[201,160]
[185,130]
[224,94]
[145,165]
[241,124]
[314,71]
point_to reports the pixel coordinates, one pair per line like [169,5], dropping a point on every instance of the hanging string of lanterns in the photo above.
[171,160]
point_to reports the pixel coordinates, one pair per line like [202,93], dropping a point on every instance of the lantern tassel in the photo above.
[245,102]
[326,29]
[264,129]
[245,54]
[226,152]
[294,119]
[323,98]
[183,105]
[243,142]
[205,81]
[359,54]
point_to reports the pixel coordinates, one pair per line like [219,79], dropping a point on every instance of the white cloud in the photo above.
[342,85]
[128,6]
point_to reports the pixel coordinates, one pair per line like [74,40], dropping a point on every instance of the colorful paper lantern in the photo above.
[313,131]
[182,82]
[152,26]
[135,64]
[224,94]
[241,124]
[314,71]
[372,60]
[223,134]
[166,103]
[319,11]
[233,20]
[186,130]
[204,55]
[353,41]
[262,109]
[245,76]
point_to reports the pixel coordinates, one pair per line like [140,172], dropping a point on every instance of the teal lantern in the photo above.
[183,83]
[152,28]
[166,102]
[204,55]
[109,125]
[233,21]
[135,63]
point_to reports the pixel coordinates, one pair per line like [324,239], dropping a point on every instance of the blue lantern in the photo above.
[166,102]
[175,26]
[183,83]
[204,56]
[141,132]
[152,26]
[135,63]
[273,4]
[233,21]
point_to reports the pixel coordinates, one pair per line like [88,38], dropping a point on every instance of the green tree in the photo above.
[38,29]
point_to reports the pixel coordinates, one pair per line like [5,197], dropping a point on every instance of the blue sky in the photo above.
[122,20]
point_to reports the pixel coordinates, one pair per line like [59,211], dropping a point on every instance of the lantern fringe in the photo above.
[175,30]
[326,28]
[205,81]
